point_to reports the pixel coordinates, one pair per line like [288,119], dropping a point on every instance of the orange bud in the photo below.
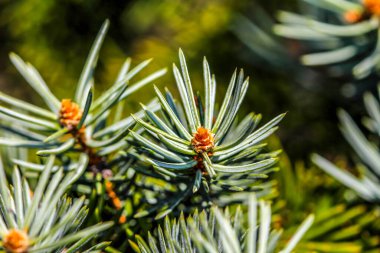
[109,186]
[373,6]
[352,16]
[16,241]
[117,203]
[112,195]
[122,219]
[203,140]
[69,114]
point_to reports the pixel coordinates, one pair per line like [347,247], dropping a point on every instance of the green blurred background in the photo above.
[55,36]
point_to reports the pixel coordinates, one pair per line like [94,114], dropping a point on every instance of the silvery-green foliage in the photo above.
[39,128]
[367,184]
[235,157]
[331,40]
[50,219]
[216,231]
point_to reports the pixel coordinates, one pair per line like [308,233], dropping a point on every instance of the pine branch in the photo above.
[81,123]
[45,219]
[367,185]
[334,41]
[220,232]
[204,150]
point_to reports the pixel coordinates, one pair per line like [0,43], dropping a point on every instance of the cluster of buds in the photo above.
[203,141]
[112,195]
[16,241]
[70,114]
[115,200]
